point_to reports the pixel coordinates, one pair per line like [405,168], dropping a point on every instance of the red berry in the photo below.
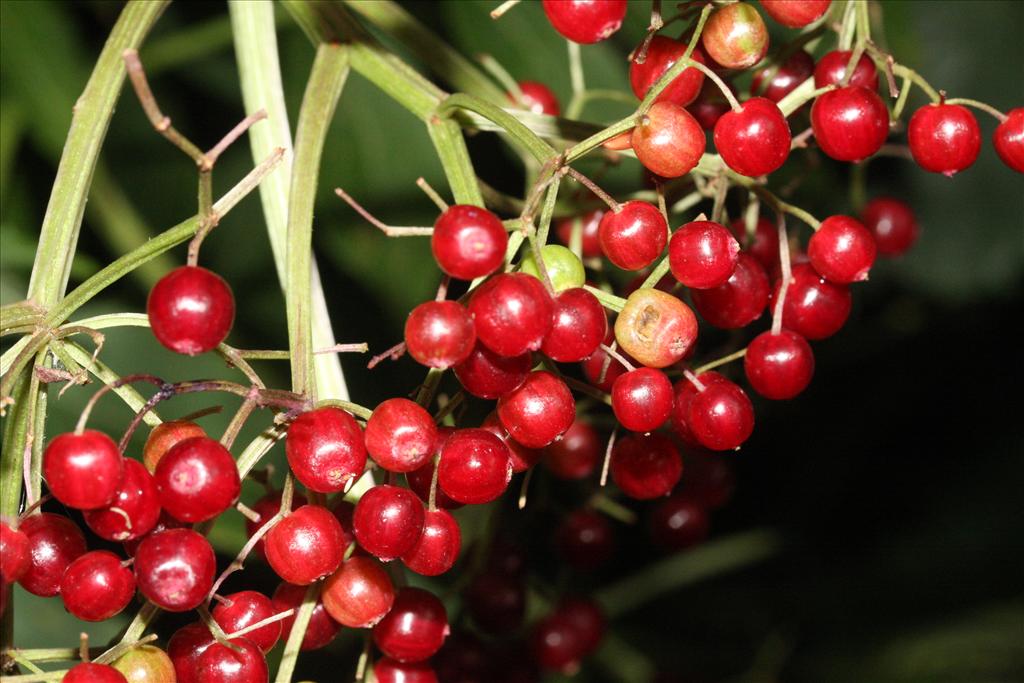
[831,70]
[243,662]
[850,124]
[763,245]
[795,13]
[497,602]
[305,546]
[388,521]
[175,569]
[468,242]
[797,68]
[486,374]
[475,467]
[54,542]
[842,250]
[586,617]
[359,594]
[703,254]
[414,629]
[438,545]
[709,106]
[185,647]
[755,139]
[522,457]
[439,334]
[944,138]
[655,328]
[15,554]
[322,627]
[685,391]
[892,224]
[197,480]
[387,670]
[538,411]
[325,449]
[600,374]
[245,608]
[662,53]
[668,141]
[576,454]
[266,508]
[588,222]
[538,98]
[96,586]
[87,672]
[135,509]
[645,466]
[164,436]
[735,36]
[84,470]
[642,399]
[1009,140]
[585,540]
[815,308]
[145,664]
[721,416]
[400,435]
[572,631]
[779,366]
[678,522]
[163,523]
[585,21]
[578,325]
[420,480]
[512,313]
[191,310]
[634,236]
[740,301]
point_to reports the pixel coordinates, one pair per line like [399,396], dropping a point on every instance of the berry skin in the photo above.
[572,631]
[497,602]
[512,313]
[685,391]
[414,629]
[15,556]
[642,399]
[325,449]
[944,138]
[241,663]
[197,480]
[185,647]
[590,246]
[420,480]
[539,99]
[564,269]
[668,141]
[135,509]
[191,310]
[703,254]
[755,139]
[814,308]
[831,70]
[267,507]
[174,569]
[164,436]
[735,36]
[538,411]
[597,373]
[721,416]
[83,471]
[88,672]
[892,224]
[655,328]
[439,334]
[779,366]
[850,124]
[795,13]
[163,523]
[359,594]
[585,21]
[633,237]
[662,53]
[797,68]
[388,521]
[678,522]
[645,466]
[763,245]
[468,242]
[245,608]
[475,467]
[522,457]
[387,670]
[578,325]
[145,664]
[576,454]
[400,435]
[54,542]
[486,374]
[585,540]
[842,250]
[709,106]
[1009,140]
[96,586]
[305,546]
[740,301]
[322,627]
[438,545]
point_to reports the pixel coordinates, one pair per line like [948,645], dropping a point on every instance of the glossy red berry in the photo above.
[655,328]
[573,630]
[538,411]
[576,454]
[164,436]
[486,374]
[475,467]
[305,546]
[775,82]
[585,540]
[721,416]
[174,569]
[387,670]
[585,21]
[185,647]
[512,313]
[84,470]
[735,36]
[944,138]
[662,53]
[88,672]
[685,391]
[522,457]
[133,512]
[850,124]
[197,480]
[325,449]
[496,602]
[678,522]
[439,334]
[892,223]
[815,308]
[668,141]
[1009,139]
[578,325]
[703,254]
[438,546]
[590,247]
[642,399]
[468,242]
[738,302]
[243,662]
[842,250]
[400,435]
[245,608]
[753,140]
[359,593]
[191,310]
[645,466]
[322,627]
[163,523]
[54,542]
[709,106]
[795,13]
[831,70]
[779,366]
[634,236]
[538,98]
[420,480]
[388,521]
[15,555]
[96,586]
[414,629]
[763,244]
[266,508]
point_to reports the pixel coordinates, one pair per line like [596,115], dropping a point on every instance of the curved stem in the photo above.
[721,361]
[540,150]
[787,274]
[987,108]
[917,79]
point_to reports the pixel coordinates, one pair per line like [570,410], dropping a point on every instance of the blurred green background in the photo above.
[895,480]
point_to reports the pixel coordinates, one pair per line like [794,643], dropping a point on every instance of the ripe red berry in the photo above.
[400,435]
[735,36]
[668,141]
[197,480]
[266,508]
[387,670]
[642,399]
[15,555]
[305,546]
[133,512]
[468,242]
[645,466]
[709,106]
[755,139]
[779,366]
[572,631]
[54,542]
[1009,140]
[439,334]
[322,627]
[96,586]
[585,21]
[175,568]
[831,70]
[721,416]
[359,594]
[87,672]
[243,662]
[538,411]
[414,629]
[662,53]
[185,647]
[944,138]
[578,325]
[795,13]
[600,369]
[538,98]
[892,223]
[738,302]
[191,310]
[245,608]
[775,82]
[163,523]
[815,308]
[475,467]
[763,244]
[842,250]
[585,540]
[522,457]
[634,236]
[850,124]
[655,328]
[325,449]
[486,374]
[512,313]
[420,480]
[685,391]
[678,522]
[84,470]
[496,602]
[388,521]
[576,454]
[438,546]
[164,436]
[703,254]
[590,247]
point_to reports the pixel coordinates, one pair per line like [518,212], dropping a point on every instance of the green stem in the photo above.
[540,150]
[987,108]
[458,167]
[655,277]
[609,301]
[297,634]
[917,79]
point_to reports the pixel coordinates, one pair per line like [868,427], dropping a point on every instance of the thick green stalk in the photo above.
[458,168]
[540,150]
